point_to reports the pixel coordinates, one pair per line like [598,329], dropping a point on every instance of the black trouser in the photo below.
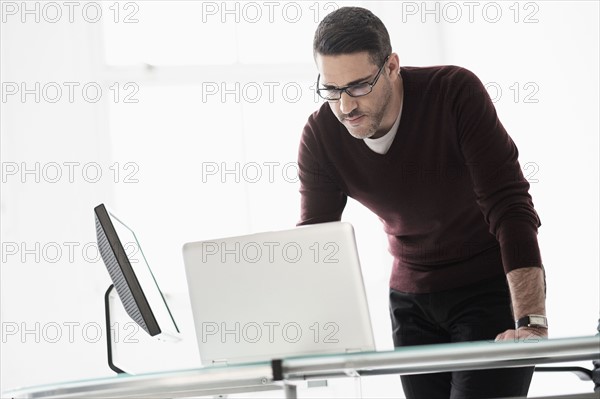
[472,313]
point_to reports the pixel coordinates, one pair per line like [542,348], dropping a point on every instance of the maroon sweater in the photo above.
[449,192]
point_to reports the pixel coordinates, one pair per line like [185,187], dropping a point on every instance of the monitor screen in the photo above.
[132,277]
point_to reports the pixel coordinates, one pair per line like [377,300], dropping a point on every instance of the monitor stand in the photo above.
[109,331]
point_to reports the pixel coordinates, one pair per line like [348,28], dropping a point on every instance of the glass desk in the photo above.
[281,373]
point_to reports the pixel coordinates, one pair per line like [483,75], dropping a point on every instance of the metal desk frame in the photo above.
[281,373]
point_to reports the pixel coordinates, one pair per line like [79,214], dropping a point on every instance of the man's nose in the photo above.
[347,103]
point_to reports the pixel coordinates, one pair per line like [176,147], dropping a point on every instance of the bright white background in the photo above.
[193,90]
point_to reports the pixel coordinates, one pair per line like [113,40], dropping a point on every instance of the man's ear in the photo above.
[393,67]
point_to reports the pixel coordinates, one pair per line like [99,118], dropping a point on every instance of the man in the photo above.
[424,150]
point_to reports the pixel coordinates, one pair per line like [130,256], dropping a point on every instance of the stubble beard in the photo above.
[373,119]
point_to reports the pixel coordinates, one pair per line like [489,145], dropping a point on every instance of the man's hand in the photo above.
[529,334]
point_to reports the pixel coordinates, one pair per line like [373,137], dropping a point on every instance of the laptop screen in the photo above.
[278,294]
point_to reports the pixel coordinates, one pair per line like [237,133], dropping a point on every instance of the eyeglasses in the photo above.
[355,90]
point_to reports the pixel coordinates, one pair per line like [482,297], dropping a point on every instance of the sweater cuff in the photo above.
[518,244]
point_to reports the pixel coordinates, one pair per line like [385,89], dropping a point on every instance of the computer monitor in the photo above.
[132,277]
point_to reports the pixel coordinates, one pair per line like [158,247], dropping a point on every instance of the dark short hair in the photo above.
[351,30]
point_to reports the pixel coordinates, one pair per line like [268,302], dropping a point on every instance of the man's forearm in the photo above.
[528,296]
[527,291]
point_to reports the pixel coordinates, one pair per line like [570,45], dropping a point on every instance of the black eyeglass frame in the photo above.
[345,89]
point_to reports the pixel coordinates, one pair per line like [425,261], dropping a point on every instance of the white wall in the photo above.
[163,141]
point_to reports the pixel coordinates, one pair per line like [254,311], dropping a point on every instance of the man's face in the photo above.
[362,116]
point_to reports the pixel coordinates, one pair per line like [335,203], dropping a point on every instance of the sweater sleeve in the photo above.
[321,198]
[501,190]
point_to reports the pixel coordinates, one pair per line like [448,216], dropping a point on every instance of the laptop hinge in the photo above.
[353,350]
[219,362]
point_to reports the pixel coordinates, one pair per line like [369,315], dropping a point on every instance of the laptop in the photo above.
[278,294]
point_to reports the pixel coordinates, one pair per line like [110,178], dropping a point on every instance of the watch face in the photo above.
[537,320]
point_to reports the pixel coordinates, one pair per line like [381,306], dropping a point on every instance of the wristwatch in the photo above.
[532,320]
